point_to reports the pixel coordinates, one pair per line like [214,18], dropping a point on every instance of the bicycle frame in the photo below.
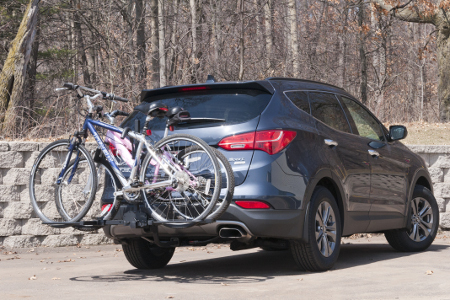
[89,125]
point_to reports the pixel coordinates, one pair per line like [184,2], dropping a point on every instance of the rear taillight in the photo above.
[270,141]
[252,204]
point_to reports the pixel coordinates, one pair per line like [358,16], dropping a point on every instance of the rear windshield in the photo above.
[233,105]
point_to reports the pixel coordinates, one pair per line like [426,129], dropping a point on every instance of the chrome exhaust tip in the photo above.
[231,233]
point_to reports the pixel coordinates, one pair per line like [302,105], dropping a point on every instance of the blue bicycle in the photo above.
[176,186]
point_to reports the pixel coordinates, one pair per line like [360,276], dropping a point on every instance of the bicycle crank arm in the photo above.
[129,189]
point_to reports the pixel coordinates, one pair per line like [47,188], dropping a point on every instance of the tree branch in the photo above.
[405,13]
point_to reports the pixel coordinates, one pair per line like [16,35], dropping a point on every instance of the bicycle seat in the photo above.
[177,115]
[157,109]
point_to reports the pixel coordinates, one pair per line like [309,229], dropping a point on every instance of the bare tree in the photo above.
[13,75]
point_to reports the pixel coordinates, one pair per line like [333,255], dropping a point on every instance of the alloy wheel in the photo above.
[325,229]
[421,219]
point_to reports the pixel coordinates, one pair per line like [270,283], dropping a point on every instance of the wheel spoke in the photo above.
[426,210]
[326,215]
[325,245]
[414,205]
[332,235]
[425,230]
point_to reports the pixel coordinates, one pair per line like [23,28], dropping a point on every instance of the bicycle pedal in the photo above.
[136,184]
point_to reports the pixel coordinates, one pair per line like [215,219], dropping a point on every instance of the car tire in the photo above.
[424,223]
[143,255]
[322,249]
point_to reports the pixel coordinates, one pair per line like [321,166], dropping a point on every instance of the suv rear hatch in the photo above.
[238,105]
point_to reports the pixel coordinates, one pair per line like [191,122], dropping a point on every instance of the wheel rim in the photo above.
[421,219]
[325,229]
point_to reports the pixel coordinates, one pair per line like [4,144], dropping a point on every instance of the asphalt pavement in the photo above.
[368,268]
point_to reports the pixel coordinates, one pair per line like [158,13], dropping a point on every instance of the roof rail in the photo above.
[303,80]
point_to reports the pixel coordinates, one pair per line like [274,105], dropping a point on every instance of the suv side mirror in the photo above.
[397,132]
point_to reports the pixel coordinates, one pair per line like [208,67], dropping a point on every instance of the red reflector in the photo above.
[148,132]
[112,149]
[106,207]
[252,204]
[193,88]
[163,108]
[171,127]
[270,141]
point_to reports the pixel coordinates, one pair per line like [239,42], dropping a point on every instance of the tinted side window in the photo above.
[300,99]
[367,126]
[327,109]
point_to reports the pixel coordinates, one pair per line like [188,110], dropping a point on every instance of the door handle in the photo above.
[373,153]
[330,143]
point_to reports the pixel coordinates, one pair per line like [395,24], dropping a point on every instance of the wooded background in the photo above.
[123,46]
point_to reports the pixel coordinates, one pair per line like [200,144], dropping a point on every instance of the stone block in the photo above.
[29,159]
[11,159]
[34,226]
[4,146]
[437,174]
[9,193]
[41,146]
[23,146]
[440,161]
[441,202]
[16,176]
[445,220]
[17,210]
[21,241]
[430,148]
[10,227]
[442,190]
[95,239]
[42,193]
[60,240]
[446,205]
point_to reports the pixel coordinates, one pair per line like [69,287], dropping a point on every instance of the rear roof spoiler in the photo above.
[264,86]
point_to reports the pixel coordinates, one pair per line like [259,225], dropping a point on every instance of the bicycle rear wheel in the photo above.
[197,184]
[76,190]
[227,186]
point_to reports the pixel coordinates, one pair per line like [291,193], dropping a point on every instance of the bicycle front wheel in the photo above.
[196,182]
[74,190]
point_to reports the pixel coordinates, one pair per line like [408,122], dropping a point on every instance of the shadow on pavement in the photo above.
[251,267]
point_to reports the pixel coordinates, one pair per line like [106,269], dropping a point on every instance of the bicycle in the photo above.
[173,194]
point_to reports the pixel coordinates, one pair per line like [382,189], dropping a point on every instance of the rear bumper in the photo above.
[281,224]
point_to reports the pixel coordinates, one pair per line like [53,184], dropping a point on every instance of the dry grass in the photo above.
[427,134]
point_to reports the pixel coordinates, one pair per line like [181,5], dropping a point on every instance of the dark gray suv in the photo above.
[311,165]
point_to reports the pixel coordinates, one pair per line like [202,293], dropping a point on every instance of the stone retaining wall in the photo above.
[437,159]
[19,227]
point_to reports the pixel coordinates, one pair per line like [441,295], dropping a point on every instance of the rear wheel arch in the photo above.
[327,179]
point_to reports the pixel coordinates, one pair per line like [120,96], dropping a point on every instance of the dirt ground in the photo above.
[427,134]
[368,268]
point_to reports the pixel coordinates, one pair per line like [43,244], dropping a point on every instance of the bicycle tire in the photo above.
[227,181]
[198,204]
[44,173]
[103,169]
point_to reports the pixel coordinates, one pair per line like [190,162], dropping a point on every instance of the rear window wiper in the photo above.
[202,120]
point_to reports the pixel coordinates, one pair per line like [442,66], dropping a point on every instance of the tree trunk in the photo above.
[140,42]
[13,75]
[241,42]
[80,44]
[162,48]
[443,55]
[154,43]
[269,36]
[292,11]
[362,55]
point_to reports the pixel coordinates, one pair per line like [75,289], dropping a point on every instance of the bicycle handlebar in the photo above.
[106,96]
